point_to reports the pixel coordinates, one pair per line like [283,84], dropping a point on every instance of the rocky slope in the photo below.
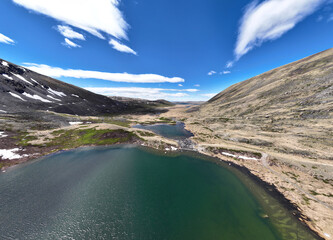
[22,90]
[288,109]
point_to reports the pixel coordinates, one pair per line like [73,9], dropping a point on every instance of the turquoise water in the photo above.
[176,131]
[127,192]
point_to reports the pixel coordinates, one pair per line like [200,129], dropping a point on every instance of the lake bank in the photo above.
[205,172]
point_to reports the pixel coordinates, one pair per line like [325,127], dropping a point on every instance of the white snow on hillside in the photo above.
[239,157]
[11,154]
[17,96]
[74,95]
[75,123]
[22,78]
[5,64]
[2,135]
[3,111]
[36,97]
[34,80]
[6,76]
[54,92]
[49,96]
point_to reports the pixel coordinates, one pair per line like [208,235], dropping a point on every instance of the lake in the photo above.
[176,131]
[128,192]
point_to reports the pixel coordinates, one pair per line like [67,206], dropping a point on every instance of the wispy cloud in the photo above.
[197,85]
[68,43]
[146,93]
[101,18]
[121,47]
[68,32]
[93,16]
[211,73]
[226,72]
[5,39]
[269,20]
[180,85]
[115,77]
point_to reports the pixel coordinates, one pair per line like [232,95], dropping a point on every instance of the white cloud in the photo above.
[121,47]
[226,72]
[93,16]
[197,85]
[145,93]
[68,43]
[115,77]
[229,64]
[269,20]
[180,85]
[211,73]
[5,39]
[68,32]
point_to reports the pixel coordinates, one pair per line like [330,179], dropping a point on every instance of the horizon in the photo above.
[153,50]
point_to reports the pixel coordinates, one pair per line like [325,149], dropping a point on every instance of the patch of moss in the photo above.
[83,137]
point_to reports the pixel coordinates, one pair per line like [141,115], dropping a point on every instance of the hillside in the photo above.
[23,90]
[288,109]
[143,103]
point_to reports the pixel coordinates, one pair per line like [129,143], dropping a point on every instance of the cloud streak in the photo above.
[121,47]
[145,93]
[93,16]
[68,43]
[114,77]
[5,39]
[68,32]
[269,20]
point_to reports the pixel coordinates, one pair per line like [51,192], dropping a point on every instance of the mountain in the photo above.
[139,103]
[25,91]
[288,109]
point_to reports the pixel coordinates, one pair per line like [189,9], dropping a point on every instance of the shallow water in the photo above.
[176,131]
[127,192]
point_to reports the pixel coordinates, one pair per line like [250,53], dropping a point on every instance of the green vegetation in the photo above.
[81,137]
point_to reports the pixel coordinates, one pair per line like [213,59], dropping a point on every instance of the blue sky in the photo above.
[176,50]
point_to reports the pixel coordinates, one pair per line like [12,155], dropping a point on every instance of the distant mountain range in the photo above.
[22,90]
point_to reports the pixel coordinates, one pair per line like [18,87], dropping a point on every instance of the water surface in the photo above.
[132,193]
[176,131]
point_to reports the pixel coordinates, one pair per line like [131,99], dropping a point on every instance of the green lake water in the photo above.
[175,131]
[127,192]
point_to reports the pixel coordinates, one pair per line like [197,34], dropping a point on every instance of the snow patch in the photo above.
[34,80]
[3,111]
[36,97]
[6,76]
[173,148]
[54,92]
[17,96]
[49,96]
[3,135]
[11,154]
[5,64]
[22,78]
[75,123]
[327,235]
[74,95]
[239,157]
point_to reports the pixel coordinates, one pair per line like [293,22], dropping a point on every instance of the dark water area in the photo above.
[176,131]
[127,192]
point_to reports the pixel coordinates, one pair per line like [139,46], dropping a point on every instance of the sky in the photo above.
[161,49]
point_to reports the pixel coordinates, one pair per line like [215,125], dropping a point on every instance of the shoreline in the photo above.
[270,189]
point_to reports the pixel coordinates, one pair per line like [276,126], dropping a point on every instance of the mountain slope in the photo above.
[287,110]
[22,90]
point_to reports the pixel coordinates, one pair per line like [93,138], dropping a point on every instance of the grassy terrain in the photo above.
[82,137]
